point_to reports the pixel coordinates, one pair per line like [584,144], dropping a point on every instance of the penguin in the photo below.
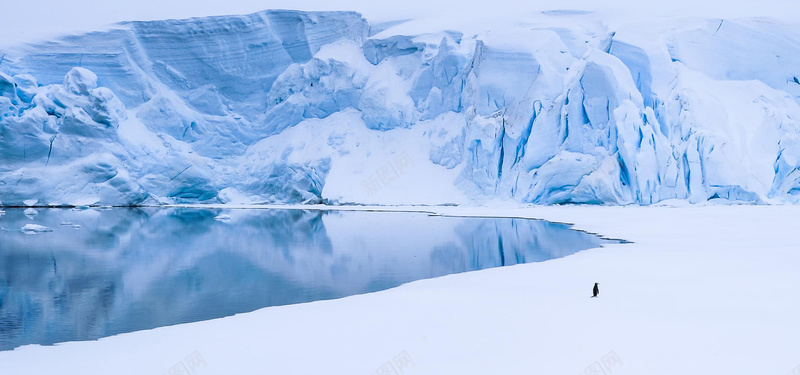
[595,291]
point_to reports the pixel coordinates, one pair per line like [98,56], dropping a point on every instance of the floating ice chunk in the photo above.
[223,218]
[30,202]
[83,202]
[66,223]
[35,228]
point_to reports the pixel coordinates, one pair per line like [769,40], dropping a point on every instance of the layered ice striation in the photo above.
[307,107]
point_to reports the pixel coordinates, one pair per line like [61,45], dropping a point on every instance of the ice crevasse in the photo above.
[311,107]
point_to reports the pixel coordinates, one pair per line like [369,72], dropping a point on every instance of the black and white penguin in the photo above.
[595,291]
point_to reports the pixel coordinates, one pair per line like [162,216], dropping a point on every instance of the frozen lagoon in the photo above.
[91,273]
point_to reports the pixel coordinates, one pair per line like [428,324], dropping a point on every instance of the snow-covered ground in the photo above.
[701,290]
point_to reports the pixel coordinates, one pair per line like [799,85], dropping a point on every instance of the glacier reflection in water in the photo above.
[106,271]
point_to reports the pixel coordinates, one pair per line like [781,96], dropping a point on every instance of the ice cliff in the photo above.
[286,106]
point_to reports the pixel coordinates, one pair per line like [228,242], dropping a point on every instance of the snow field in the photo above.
[700,290]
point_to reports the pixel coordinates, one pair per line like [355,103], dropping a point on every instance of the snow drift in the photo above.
[300,107]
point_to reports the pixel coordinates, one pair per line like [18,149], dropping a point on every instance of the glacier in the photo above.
[323,107]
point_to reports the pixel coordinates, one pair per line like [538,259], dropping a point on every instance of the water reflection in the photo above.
[103,272]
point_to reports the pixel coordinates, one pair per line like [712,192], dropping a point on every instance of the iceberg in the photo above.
[319,107]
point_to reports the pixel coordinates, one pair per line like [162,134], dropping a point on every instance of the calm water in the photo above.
[102,272]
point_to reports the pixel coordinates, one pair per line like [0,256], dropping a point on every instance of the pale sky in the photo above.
[32,20]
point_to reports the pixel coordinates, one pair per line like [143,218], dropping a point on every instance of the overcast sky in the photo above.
[31,20]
